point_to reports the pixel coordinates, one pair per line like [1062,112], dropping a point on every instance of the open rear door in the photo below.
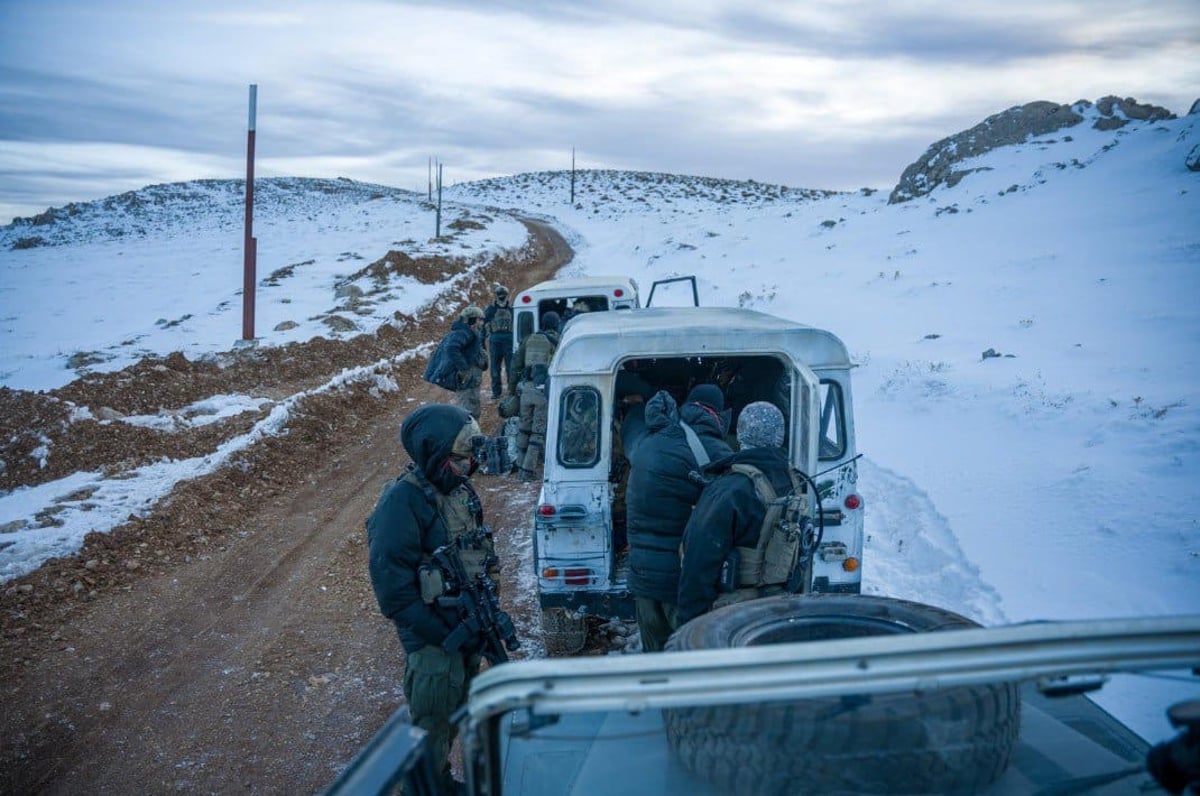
[675,292]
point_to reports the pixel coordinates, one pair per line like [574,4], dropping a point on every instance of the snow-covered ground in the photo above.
[1057,480]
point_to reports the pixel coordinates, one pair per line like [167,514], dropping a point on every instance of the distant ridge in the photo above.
[159,207]
[1014,126]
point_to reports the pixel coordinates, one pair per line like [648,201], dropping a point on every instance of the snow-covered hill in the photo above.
[1028,335]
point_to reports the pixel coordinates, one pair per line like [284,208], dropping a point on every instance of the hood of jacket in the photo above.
[428,437]
[661,411]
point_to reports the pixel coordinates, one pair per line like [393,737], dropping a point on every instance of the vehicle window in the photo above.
[524,325]
[579,429]
[833,427]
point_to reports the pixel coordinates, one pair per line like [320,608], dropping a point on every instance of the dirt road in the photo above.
[230,642]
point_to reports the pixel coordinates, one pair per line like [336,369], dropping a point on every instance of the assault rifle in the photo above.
[478,606]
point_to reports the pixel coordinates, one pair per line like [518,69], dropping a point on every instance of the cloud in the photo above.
[709,87]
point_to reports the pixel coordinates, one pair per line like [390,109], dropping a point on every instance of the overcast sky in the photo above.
[102,96]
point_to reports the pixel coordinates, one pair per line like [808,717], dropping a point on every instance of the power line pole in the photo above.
[572,176]
[250,258]
[438,234]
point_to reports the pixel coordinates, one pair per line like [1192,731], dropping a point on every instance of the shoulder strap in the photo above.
[762,484]
[693,441]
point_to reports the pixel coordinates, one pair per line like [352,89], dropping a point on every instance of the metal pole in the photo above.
[431,179]
[251,245]
[438,233]
[572,175]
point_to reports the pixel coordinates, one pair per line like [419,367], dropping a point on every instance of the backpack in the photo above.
[785,532]
[539,350]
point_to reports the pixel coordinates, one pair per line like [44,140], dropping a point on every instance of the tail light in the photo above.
[618,293]
[526,299]
[546,510]
[852,501]
[569,576]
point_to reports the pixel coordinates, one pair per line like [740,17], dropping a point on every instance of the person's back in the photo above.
[660,494]
[532,362]
[730,511]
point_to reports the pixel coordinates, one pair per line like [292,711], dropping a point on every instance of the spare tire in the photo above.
[952,740]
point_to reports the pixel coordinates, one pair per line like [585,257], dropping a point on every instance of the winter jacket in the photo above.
[729,513]
[459,351]
[660,492]
[406,527]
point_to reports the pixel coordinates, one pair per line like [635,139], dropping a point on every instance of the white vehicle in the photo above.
[818,694]
[578,522]
[599,293]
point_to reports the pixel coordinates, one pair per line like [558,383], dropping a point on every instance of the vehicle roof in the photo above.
[587,342]
[581,283]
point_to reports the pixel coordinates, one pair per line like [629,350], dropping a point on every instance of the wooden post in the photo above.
[250,257]
[572,176]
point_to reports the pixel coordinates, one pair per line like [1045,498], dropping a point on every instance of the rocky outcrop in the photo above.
[939,166]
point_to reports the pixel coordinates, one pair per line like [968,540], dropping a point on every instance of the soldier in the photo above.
[532,363]
[730,512]
[498,324]
[431,504]
[665,445]
[459,361]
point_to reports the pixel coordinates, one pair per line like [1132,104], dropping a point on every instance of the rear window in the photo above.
[579,427]
[833,422]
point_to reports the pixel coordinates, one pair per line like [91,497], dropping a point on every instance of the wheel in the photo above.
[953,740]
[563,633]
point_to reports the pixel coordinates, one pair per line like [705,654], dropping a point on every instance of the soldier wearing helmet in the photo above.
[431,504]
[532,362]
[498,323]
[459,361]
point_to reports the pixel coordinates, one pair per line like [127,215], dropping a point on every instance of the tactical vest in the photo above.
[501,320]
[462,514]
[765,568]
[539,350]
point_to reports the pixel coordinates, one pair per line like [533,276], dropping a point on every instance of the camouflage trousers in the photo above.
[468,396]
[656,622]
[531,434]
[435,685]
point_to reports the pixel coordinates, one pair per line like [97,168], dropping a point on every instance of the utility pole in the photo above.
[572,176]
[431,179]
[438,233]
[251,245]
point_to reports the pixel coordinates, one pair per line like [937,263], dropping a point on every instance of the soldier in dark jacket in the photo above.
[431,504]
[498,324]
[730,513]
[660,495]
[459,361]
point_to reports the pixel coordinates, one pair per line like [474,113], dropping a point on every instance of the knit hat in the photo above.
[760,425]
[550,320]
[707,394]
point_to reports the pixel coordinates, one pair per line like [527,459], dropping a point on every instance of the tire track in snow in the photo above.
[911,552]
